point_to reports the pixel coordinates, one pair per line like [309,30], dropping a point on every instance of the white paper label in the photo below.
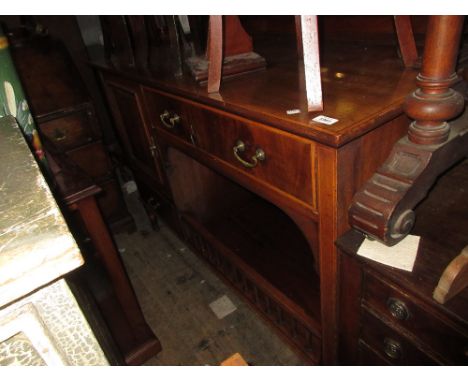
[325,120]
[401,255]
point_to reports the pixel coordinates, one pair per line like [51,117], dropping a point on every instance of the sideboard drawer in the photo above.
[169,114]
[280,159]
[408,312]
[389,344]
[70,129]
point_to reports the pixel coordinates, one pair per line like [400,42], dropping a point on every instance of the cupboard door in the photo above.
[139,145]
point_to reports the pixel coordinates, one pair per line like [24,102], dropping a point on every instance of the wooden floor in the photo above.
[175,289]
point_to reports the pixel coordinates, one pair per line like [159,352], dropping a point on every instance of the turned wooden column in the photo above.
[434,102]
[383,207]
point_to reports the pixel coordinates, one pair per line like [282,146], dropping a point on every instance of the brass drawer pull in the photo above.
[240,147]
[392,348]
[59,135]
[168,120]
[398,309]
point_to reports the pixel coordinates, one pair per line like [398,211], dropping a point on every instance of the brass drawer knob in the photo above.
[398,309]
[240,147]
[393,348]
[168,119]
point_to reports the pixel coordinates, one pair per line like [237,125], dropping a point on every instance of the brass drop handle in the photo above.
[392,348]
[59,135]
[398,309]
[240,147]
[169,120]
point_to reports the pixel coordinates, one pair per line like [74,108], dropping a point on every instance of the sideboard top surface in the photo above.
[363,85]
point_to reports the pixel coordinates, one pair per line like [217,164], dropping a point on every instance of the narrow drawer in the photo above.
[413,315]
[169,114]
[280,159]
[389,344]
[69,129]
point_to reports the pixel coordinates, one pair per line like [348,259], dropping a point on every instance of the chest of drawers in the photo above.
[389,316]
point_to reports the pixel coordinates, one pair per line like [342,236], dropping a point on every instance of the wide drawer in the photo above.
[280,159]
[413,315]
[275,157]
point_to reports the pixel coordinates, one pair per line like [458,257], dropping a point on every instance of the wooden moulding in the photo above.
[454,279]
[383,207]
[290,321]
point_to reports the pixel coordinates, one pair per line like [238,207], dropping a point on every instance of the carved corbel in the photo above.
[383,207]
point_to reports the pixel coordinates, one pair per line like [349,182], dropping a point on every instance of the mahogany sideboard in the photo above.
[253,183]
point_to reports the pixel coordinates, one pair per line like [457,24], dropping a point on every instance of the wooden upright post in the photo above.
[383,207]
[435,102]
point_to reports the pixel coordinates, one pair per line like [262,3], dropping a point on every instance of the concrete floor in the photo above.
[175,289]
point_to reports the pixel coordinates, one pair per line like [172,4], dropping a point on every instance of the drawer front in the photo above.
[169,114]
[277,158]
[408,312]
[280,159]
[389,344]
[70,130]
[92,159]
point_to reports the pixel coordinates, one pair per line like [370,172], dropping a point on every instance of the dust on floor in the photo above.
[179,295]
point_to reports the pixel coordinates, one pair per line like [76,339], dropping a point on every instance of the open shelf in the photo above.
[266,240]
[253,245]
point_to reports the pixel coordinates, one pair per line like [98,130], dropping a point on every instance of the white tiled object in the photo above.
[222,307]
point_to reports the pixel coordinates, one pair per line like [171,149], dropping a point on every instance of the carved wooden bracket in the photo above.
[383,207]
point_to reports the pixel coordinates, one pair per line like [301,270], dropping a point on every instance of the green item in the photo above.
[13,100]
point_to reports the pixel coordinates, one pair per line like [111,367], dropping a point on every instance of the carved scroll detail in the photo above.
[383,207]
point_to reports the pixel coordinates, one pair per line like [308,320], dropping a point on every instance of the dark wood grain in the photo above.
[309,173]
[114,294]
[63,109]
[441,331]
[361,96]
[406,41]
[383,207]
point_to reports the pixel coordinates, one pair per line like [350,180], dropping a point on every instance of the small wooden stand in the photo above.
[134,338]
[226,38]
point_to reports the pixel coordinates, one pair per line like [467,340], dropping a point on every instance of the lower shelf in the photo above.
[290,319]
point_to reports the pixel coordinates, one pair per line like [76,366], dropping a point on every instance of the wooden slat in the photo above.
[215,53]
[406,41]
[310,47]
